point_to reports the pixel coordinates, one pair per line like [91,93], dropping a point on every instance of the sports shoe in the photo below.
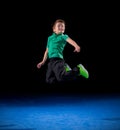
[82,71]
[67,67]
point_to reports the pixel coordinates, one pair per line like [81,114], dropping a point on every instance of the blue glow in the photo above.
[61,113]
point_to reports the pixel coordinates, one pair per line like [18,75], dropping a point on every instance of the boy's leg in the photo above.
[50,79]
[63,72]
[82,71]
[50,76]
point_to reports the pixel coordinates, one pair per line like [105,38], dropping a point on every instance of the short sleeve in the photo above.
[65,36]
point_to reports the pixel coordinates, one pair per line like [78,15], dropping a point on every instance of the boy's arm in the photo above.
[73,43]
[44,59]
[45,56]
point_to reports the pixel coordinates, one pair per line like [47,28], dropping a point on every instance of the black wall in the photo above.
[93,26]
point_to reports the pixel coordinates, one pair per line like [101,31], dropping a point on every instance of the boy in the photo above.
[58,70]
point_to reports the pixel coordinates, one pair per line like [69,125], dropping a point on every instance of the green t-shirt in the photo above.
[56,44]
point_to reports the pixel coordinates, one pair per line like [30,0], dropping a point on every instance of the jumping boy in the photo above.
[58,69]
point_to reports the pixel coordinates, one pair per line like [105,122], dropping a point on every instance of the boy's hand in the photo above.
[77,49]
[39,65]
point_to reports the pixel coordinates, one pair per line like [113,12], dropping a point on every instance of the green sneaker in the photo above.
[83,71]
[67,68]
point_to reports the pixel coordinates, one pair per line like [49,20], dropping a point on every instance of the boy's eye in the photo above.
[60,26]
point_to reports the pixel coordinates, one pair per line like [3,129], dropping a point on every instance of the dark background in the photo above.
[94,26]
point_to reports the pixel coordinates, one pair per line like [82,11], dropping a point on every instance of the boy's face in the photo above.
[59,28]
